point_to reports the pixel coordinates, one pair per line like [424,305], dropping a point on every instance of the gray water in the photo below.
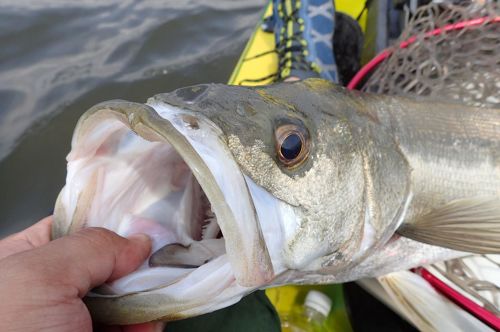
[59,58]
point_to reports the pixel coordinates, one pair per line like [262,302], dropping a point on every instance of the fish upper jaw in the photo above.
[223,183]
[278,220]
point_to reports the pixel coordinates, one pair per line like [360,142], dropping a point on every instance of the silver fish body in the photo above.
[308,183]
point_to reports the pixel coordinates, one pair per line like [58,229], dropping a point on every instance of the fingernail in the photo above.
[140,238]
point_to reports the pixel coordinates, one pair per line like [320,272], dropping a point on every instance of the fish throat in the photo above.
[206,240]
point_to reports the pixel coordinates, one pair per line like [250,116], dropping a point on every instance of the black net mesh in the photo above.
[455,56]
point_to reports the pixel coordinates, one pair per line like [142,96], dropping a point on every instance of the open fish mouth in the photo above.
[167,173]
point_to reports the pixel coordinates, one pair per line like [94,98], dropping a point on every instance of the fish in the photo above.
[244,188]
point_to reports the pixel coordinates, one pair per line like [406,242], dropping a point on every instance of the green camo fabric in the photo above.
[253,313]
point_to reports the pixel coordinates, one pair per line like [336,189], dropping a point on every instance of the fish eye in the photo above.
[292,145]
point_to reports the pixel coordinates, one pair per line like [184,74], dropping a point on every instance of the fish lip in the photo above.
[245,245]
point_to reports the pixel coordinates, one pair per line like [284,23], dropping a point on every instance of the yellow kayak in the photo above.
[259,63]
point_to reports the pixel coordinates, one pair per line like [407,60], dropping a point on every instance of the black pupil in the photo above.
[291,146]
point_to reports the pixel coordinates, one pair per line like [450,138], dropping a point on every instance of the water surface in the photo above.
[59,58]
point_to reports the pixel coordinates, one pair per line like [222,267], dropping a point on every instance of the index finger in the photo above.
[31,237]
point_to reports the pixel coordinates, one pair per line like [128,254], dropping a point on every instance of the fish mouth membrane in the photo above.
[166,172]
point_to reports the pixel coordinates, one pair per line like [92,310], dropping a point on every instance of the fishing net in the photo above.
[450,52]
[445,52]
[476,275]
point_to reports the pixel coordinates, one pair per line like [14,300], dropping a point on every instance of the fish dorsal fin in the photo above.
[471,225]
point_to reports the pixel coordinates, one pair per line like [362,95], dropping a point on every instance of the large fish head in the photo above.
[236,186]
[326,179]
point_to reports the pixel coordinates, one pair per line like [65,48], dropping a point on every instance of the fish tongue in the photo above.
[194,255]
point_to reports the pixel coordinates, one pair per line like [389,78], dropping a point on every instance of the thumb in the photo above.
[87,258]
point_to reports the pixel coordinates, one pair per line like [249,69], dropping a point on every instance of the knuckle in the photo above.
[97,236]
[100,231]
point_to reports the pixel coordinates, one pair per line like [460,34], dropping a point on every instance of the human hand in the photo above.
[42,282]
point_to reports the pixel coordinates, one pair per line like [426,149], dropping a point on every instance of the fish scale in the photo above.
[451,150]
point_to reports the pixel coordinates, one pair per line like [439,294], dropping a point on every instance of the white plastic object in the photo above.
[319,302]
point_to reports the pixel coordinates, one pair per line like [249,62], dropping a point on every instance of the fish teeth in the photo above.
[210,214]
[210,229]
